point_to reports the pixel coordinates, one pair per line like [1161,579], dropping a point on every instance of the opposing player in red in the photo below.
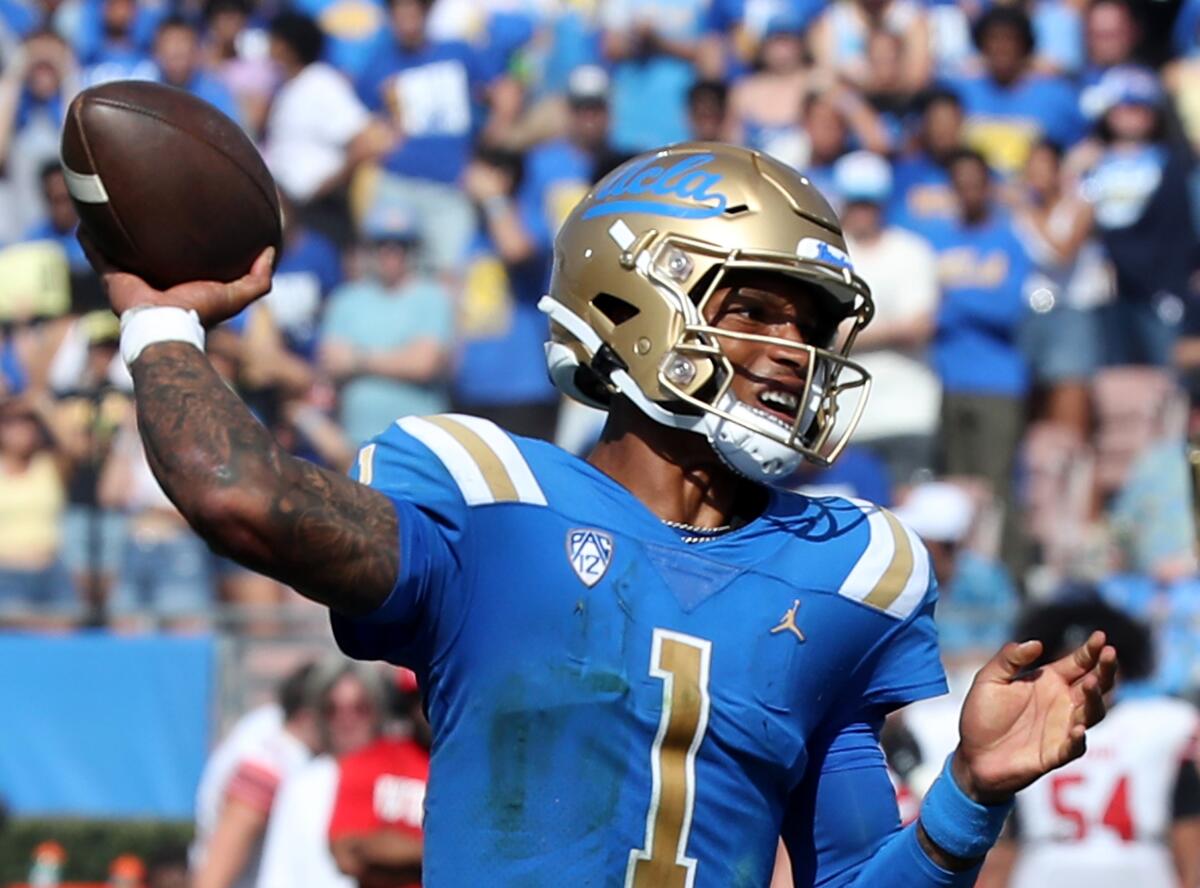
[1128,813]
[642,668]
[375,830]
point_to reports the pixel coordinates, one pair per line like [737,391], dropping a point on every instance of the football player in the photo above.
[1128,813]
[640,669]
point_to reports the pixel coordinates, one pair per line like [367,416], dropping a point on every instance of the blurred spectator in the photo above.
[767,102]
[1009,106]
[35,87]
[734,31]
[976,598]
[166,572]
[501,372]
[386,337]
[901,415]
[1058,35]
[1153,514]
[239,783]
[375,830]
[651,45]
[114,37]
[317,130]
[127,871]
[1181,78]
[89,412]
[280,333]
[178,62]
[982,271]
[1128,812]
[1138,183]
[884,86]
[1062,335]
[233,53]
[60,219]
[841,40]
[922,192]
[354,30]
[708,111]
[167,868]
[350,708]
[834,122]
[33,579]
[1112,35]
[429,90]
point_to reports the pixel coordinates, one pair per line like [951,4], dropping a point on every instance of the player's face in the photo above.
[770,376]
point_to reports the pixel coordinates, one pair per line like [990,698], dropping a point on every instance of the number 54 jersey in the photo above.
[615,706]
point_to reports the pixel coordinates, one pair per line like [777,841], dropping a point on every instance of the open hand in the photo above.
[213,301]
[1016,727]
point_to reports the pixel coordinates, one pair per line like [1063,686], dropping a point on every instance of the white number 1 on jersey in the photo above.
[682,662]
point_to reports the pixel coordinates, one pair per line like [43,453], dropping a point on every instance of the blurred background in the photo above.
[1018,185]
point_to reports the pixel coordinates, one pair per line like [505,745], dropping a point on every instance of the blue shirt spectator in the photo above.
[982,270]
[113,39]
[309,269]
[921,192]
[177,63]
[651,44]
[1009,107]
[386,336]
[430,89]
[60,220]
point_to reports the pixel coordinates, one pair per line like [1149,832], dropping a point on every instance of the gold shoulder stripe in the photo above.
[495,475]
[366,465]
[897,574]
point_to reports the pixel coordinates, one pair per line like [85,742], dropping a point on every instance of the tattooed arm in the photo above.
[330,538]
[326,536]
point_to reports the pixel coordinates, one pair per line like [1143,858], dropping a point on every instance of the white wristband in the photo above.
[149,324]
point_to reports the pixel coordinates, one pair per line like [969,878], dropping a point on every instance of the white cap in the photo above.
[863,176]
[587,84]
[939,512]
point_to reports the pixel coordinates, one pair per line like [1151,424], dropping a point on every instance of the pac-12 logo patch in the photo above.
[590,552]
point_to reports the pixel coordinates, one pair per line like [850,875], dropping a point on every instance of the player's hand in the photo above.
[213,301]
[1015,727]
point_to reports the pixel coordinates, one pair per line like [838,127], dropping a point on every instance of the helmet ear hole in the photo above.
[615,309]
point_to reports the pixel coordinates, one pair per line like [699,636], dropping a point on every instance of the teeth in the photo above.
[786,400]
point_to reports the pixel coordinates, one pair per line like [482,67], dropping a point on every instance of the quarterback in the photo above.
[644,668]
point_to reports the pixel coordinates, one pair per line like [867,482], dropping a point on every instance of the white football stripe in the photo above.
[85,187]
[458,462]
[528,490]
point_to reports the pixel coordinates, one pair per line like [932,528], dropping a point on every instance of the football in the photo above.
[167,187]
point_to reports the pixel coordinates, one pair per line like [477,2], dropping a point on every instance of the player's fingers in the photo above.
[1082,660]
[1074,746]
[1106,670]
[1089,701]
[1010,661]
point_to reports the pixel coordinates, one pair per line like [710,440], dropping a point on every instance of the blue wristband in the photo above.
[959,826]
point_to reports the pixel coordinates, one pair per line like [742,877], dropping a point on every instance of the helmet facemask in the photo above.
[697,376]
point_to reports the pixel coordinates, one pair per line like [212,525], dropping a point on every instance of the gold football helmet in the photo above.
[638,260]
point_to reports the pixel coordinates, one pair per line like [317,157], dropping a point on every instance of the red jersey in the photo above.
[381,786]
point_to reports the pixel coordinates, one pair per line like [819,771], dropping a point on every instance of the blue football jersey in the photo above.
[612,705]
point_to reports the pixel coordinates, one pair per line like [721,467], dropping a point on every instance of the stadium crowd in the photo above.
[1017,182]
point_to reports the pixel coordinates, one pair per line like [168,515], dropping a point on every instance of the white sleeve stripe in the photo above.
[366,465]
[528,490]
[454,456]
